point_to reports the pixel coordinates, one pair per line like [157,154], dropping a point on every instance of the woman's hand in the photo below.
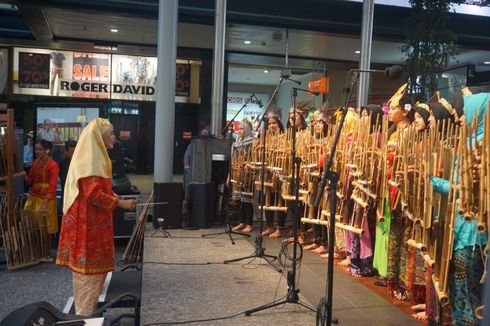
[128,204]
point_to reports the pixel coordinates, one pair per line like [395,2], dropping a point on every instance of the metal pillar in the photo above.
[365,60]
[165,103]
[218,67]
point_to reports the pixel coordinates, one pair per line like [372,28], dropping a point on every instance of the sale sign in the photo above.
[33,70]
[89,76]
[182,79]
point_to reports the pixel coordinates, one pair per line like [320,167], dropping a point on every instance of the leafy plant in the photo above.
[429,43]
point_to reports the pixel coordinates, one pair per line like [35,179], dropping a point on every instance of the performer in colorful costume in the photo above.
[86,243]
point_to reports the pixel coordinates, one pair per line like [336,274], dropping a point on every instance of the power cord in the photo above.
[286,256]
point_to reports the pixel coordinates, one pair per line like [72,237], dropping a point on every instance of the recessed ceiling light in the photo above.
[486,63]
[247,42]
[114,30]
[266,71]
[357,51]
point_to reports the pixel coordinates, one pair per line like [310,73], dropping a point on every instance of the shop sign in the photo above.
[321,85]
[91,75]
[134,78]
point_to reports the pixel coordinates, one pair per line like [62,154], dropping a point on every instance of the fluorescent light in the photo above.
[266,71]
[357,51]
[247,42]
[486,63]
[114,30]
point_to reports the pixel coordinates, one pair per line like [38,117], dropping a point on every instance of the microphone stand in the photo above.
[228,229]
[324,308]
[223,131]
[292,295]
[259,249]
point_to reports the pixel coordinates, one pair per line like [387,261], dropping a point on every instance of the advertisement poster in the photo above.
[182,79]
[61,73]
[47,72]
[4,62]
[90,76]
[34,70]
[253,110]
[134,78]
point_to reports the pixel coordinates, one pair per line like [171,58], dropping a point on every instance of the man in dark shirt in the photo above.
[65,163]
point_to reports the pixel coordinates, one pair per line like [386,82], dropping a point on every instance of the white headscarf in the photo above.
[89,159]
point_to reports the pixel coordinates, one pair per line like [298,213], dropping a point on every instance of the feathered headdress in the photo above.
[302,107]
[274,112]
[396,99]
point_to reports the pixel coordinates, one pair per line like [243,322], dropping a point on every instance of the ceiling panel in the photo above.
[68,24]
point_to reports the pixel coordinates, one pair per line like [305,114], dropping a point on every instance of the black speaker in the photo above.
[172,194]
[202,204]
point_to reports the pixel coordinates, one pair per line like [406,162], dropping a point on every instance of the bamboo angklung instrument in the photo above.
[486,152]
[441,278]
[316,152]
[15,236]
[134,250]
[383,165]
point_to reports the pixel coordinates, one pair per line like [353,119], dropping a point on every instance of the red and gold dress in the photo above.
[43,178]
[87,245]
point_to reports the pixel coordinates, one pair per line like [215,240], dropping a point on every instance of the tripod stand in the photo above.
[160,229]
[324,313]
[259,249]
[292,294]
[228,230]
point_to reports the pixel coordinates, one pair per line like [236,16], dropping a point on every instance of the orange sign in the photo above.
[321,85]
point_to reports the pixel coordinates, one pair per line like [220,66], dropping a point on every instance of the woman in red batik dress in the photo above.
[43,179]
[87,241]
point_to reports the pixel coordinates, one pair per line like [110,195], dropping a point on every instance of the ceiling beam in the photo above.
[37,21]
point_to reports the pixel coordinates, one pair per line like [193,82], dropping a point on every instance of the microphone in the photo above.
[394,72]
[258,101]
[316,93]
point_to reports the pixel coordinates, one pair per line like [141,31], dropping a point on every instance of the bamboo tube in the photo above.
[417,245]
[441,295]
[429,261]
